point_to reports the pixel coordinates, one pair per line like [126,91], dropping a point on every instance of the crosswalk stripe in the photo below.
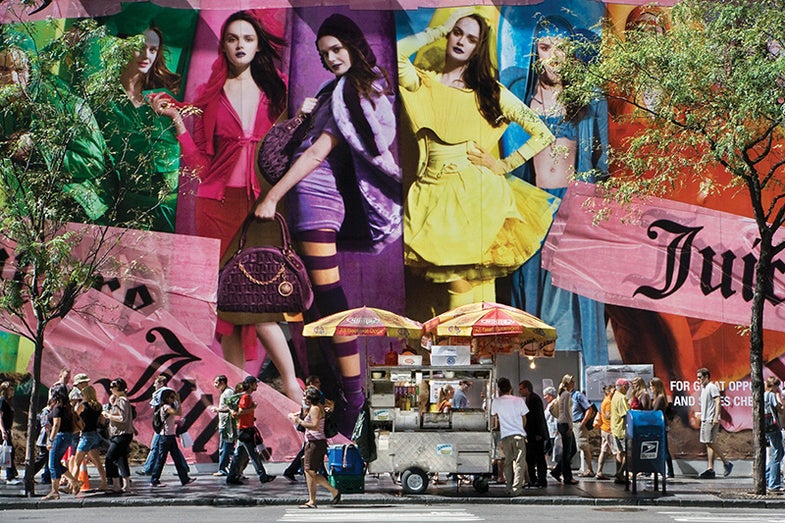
[368,513]
[719,517]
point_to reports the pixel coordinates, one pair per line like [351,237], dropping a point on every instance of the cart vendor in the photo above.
[460,400]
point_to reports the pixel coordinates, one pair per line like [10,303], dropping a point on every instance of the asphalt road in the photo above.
[392,514]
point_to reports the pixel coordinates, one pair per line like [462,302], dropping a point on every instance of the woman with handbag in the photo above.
[121,432]
[6,423]
[240,101]
[344,166]
[564,426]
[315,446]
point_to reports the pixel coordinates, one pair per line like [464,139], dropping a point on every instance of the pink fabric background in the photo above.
[609,261]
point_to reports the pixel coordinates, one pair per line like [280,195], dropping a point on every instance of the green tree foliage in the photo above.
[56,169]
[708,85]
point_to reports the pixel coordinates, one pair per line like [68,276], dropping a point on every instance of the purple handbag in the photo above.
[264,279]
[278,146]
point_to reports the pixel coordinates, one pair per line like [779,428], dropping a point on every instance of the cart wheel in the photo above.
[414,481]
[480,484]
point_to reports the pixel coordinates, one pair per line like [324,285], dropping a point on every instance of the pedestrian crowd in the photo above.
[538,436]
[534,430]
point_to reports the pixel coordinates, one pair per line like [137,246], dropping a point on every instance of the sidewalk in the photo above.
[685,490]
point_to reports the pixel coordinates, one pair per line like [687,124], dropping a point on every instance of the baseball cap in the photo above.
[621,382]
[250,379]
[81,378]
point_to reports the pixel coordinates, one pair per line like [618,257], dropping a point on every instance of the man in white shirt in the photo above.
[509,416]
[710,424]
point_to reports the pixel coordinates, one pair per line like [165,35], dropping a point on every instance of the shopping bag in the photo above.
[5,456]
[558,447]
[186,441]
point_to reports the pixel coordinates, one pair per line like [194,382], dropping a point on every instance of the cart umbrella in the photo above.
[493,327]
[364,321]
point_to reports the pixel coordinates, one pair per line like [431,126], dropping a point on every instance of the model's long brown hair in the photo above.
[159,74]
[482,77]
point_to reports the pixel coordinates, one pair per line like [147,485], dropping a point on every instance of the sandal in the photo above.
[76,486]
[336,499]
[307,505]
[52,495]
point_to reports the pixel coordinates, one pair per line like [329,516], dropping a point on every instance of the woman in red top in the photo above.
[240,101]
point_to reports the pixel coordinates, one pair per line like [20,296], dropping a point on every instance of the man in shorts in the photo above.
[619,408]
[710,424]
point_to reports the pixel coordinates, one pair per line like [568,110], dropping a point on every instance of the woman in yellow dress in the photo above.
[466,222]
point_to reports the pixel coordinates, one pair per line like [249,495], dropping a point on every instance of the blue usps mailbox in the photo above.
[645,446]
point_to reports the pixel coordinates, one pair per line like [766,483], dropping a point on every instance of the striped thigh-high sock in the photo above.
[330,298]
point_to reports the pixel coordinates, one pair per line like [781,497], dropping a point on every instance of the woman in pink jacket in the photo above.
[241,100]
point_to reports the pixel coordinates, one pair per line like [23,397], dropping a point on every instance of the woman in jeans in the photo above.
[167,444]
[772,400]
[61,419]
[564,427]
[121,431]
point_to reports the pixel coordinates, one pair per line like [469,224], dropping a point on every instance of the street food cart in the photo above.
[414,443]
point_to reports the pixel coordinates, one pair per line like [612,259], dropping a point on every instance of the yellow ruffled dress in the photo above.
[463,221]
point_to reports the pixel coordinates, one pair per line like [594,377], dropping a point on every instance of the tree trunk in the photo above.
[762,285]
[32,413]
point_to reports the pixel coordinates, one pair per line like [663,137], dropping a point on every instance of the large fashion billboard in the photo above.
[435,168]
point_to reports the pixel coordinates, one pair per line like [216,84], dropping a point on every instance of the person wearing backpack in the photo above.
[166,414]
[773,409]
[246,438]
[159,386]
[582,413]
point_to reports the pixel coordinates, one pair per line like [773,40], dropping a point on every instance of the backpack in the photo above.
[592,416]
[330,425]
[670,412]
[158,421]
[771,420]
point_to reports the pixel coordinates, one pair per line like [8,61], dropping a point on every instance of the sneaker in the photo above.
[728,468]
[220,473]
[141,472]
[13,482]
[708,474]
[156,484]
